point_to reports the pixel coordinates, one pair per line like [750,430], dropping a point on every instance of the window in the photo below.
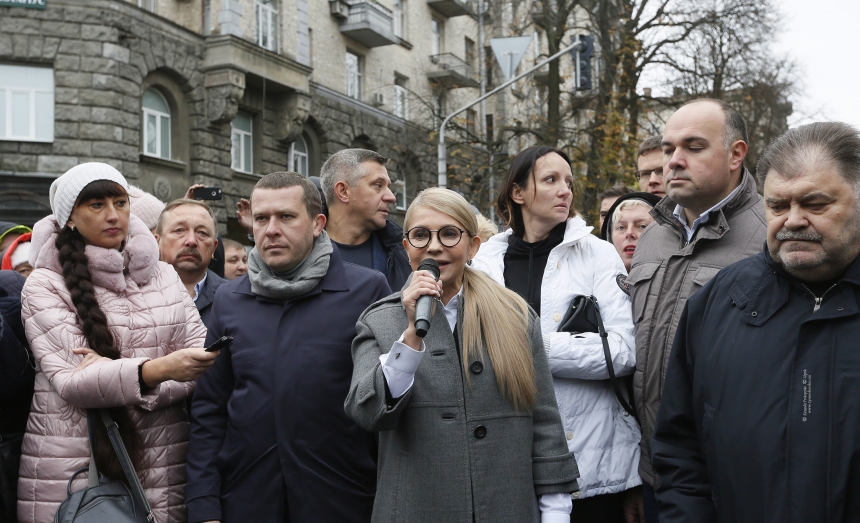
[469,54]
[399,18]
[399,189]
[240,151]
[26,103]
[437,34]
[299,156]
[267,25]
[471,118]
[156,124]
[353,75]
[149,5]
[488,66]
[401,107]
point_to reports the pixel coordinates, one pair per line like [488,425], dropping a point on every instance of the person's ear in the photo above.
[319,224]
[517,195]
[474,245]
[737,151]
[341,191]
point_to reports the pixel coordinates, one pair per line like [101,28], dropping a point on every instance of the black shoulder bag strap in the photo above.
[133,481]
[625,404]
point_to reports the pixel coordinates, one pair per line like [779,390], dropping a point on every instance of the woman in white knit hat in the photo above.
[111,327]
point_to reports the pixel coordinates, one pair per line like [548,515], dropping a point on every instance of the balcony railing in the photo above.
[370,24]
[451,8]
[450,72]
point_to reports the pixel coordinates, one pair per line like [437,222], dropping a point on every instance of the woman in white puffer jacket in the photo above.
[548,256]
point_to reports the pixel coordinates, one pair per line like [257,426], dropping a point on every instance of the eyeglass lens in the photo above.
[449,236]
[647,173]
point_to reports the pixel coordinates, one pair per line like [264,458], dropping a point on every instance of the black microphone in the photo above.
[424,307]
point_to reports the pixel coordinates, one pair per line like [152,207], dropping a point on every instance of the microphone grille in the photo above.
[429,264]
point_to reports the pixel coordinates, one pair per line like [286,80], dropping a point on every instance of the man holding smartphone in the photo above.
[270,441]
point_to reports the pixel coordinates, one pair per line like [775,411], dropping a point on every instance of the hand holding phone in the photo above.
[219,344]
[207,193]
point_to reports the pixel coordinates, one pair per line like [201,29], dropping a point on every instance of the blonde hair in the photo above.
[623,206]
[486,228]
[503,329]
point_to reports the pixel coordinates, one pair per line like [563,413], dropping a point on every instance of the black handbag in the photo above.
[104,501]
[583,315]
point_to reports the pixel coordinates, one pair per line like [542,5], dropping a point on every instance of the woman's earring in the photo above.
[72,226]
[469,262]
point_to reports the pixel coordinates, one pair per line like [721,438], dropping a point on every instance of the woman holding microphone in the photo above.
[110,327]
[469,427]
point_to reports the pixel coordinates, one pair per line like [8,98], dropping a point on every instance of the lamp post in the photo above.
[442,159]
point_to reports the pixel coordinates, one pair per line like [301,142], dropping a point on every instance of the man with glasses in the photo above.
[712,217]
[649,166]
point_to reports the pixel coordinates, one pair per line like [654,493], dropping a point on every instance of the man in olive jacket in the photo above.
[760,418]
[711,217]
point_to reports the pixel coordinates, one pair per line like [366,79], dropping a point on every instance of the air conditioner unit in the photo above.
[378,99]
[339,9]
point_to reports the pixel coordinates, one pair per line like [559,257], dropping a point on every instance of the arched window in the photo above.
[156,124]
[299,156]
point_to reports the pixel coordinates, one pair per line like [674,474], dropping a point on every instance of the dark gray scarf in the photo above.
[295,283]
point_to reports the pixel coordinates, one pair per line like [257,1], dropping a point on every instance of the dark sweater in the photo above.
[525,263]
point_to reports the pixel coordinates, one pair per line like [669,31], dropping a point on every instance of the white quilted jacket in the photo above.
[602,436]
[151,314]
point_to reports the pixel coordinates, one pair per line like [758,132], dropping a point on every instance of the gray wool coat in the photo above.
[449,448]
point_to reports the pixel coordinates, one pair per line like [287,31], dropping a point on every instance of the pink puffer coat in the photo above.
[151,315]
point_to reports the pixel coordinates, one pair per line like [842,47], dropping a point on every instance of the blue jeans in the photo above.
[650,503]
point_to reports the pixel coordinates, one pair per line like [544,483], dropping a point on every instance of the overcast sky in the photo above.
[823,37]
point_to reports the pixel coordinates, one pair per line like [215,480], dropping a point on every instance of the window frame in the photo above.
[399,19]
[6,125]
[399,187]
[400,105]
[437,36]
[269,12]
[250,152]
[159,116]
[357,74]
[305,155]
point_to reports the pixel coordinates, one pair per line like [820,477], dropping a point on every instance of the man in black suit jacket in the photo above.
[187,237]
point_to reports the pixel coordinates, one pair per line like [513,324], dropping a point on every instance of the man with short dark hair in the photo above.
[649,166]
[187,235]
[358,193]
[760,419]
[270,441]
[712,218]
[609,196]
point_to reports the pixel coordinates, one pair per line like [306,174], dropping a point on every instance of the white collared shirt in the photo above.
[199,286]
[678,213]
[399,367]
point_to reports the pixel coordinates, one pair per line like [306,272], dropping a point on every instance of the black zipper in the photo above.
[817,299]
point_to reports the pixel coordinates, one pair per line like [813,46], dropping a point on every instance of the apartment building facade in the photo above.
[219,92]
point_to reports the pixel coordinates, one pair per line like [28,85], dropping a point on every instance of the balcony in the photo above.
[450,72]
[370,24]
[451,8]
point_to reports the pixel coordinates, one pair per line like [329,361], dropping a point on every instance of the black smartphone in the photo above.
[207,193]
[219,344]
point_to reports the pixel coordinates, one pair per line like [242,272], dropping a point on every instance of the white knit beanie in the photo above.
[65,189]
[145,206]
[20,254]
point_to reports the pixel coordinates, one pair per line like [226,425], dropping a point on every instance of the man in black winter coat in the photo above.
[17,372]
[357,190]
[760,418]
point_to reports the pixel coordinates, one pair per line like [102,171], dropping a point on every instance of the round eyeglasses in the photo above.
[647,173]
[419,237]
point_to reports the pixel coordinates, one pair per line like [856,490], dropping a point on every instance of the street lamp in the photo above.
[442,150]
